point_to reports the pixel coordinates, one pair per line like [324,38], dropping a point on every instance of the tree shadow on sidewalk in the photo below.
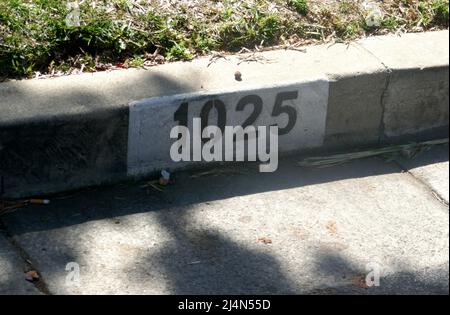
[201,260]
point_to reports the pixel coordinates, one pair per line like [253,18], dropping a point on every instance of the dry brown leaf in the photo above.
[265,240]
[331,227]
[31,275]
[360,281]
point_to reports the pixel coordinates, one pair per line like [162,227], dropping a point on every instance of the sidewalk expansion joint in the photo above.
[433,192]
[28,264]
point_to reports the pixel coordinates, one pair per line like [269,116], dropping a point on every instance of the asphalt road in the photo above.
[236,231]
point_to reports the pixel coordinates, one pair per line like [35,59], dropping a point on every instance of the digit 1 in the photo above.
[181,114]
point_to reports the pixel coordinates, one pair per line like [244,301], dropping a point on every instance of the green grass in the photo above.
[301,6]
[433,12]
[35,37]
[238,31]
[390,23]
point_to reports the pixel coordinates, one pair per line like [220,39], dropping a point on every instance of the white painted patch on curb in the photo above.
[299,109]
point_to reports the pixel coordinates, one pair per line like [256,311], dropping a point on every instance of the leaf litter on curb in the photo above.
[390,153]
[219,172]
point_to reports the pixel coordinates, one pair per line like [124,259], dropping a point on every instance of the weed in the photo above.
[300,6]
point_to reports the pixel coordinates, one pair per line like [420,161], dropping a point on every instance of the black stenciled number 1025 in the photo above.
[181,114]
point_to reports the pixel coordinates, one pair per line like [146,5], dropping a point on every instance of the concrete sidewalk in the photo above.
[238,231]
[90,129]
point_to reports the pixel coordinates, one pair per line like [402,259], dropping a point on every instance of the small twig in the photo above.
[244,49]
[296,49]
[155,187]
[194,262]
[5,45]
[286,46]
[8,206]
[253,57]
[215,57]
[153,184]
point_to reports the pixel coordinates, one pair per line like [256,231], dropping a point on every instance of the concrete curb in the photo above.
[89,129]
